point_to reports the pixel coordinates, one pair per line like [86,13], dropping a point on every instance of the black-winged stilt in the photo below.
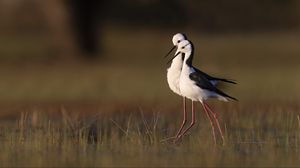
[173,75]
[198,86]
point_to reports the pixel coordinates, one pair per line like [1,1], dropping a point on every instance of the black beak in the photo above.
[169,52]
[173,57]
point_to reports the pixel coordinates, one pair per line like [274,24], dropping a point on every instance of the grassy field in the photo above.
[119,111]
[255,135]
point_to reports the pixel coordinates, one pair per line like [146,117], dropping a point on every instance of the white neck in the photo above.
[177,61]
[186,57]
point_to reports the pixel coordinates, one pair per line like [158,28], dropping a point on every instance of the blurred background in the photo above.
[61,51]
[83,82]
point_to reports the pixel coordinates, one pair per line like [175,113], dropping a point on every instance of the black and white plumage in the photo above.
[213,80]
[195,84]
[199,86]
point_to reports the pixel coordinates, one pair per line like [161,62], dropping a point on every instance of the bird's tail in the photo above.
[223,96]
[235,99]
[226,80]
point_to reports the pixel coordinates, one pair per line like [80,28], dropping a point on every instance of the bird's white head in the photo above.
[177,38]
[184,46]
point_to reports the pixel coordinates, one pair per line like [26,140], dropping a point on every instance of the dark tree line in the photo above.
[207,15]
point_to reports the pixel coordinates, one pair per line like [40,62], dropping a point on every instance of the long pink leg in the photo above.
[184,117]
[216,120]
[192,123]
[211,123]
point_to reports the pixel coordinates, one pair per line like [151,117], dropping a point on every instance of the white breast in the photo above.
[189,88]
[173,75]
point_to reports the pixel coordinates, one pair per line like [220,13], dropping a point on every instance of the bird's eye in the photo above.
[182,47]
[178,41]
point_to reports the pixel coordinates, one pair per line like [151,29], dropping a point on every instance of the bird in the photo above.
[173,75]
[198,86]
[173,72]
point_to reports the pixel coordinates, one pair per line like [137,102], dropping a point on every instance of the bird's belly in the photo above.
[191,90]
[173,77]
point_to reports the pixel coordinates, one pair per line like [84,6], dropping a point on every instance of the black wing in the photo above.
[213,78]
[203,82]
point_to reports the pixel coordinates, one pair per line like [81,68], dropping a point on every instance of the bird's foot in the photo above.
[168,139]
[177,139]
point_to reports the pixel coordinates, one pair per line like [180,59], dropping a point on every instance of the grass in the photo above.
[260,135]
[119,111]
